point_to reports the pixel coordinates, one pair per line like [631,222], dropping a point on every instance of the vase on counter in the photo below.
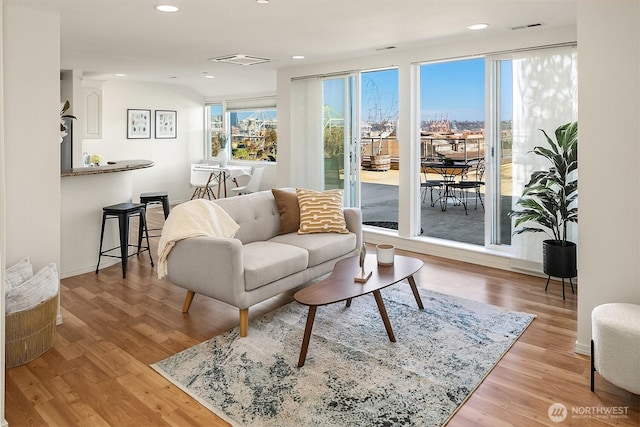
[223,158]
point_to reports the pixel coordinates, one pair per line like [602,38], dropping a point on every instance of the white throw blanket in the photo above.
[197,217]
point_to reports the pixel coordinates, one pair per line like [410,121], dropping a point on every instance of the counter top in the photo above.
[111,167]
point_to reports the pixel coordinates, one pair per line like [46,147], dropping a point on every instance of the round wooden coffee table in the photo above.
[341,286]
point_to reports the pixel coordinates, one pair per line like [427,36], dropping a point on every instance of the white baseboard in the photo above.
[584,349]
[461,252]
[89,268]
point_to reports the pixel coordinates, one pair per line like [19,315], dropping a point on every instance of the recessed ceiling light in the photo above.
[167,8]
[477,26]
[120,75]
[297,57]
[209,77]
[262,1]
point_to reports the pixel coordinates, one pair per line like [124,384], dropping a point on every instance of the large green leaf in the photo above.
[547,197]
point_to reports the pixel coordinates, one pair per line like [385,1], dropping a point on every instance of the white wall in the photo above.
[30,162]
[609,134]
[31,134]
[171,156]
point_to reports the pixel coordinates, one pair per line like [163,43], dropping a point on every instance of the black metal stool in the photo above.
[123,211]
[158,197]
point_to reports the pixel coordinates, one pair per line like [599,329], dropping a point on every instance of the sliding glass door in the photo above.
[452,131]
[479,116]
[379,168]
[340,124]
[533,90]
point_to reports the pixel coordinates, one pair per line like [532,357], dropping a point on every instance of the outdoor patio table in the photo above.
[449,173]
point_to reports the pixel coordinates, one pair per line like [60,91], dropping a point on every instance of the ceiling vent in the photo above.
[240,59]
[522,27]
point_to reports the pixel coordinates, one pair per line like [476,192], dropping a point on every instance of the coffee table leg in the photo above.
[383,314]
[307,335]
[414,289]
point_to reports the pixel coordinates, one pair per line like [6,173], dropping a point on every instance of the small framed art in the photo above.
[138,124]
[166,123]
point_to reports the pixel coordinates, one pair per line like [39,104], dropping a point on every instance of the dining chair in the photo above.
[201,180]
[242,179]
[253,185]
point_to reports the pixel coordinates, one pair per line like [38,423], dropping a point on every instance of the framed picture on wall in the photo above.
[138,124]
[166,123]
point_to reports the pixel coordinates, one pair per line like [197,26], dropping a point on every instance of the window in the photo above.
[379,174]
[452,128]
[254,134]
[537,89]
[250,126]
[483,113]
[215,126]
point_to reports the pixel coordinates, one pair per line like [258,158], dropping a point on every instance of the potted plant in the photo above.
[548,202]
[63,115]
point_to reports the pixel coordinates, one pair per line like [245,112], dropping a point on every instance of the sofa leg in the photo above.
[187,301]
[244,321]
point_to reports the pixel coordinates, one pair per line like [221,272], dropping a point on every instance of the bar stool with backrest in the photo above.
[123,212]
[158,197]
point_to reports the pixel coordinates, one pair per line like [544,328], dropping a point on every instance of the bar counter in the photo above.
[110,167]
[84,192]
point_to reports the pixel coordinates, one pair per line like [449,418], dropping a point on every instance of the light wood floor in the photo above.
[98,372]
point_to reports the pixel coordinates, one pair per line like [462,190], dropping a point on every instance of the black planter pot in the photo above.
[558,260]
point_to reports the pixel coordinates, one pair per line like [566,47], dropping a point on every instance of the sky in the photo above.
[455,89]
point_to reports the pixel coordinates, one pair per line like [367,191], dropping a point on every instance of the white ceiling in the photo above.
[104,37]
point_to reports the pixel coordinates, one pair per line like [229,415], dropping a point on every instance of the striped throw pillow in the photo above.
[321,212]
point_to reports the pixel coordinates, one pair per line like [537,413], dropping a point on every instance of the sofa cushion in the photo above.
[320,246]
[256,214]
[289,209]
[265,262]
[321,211]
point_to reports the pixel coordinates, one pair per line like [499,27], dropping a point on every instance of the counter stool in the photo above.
[158,197]
[122,212]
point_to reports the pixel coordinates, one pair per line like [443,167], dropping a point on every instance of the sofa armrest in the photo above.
[353,218]
[209,266]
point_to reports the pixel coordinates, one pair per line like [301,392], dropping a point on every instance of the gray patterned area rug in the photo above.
[353,376]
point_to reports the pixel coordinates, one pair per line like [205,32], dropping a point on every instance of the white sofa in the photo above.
[257,263]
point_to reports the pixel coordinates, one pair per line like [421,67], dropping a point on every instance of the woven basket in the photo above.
[30,333]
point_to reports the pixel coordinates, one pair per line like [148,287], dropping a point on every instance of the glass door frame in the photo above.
[351,141]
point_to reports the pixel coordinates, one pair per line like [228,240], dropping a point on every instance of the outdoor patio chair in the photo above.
[464,186]
[429,186]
